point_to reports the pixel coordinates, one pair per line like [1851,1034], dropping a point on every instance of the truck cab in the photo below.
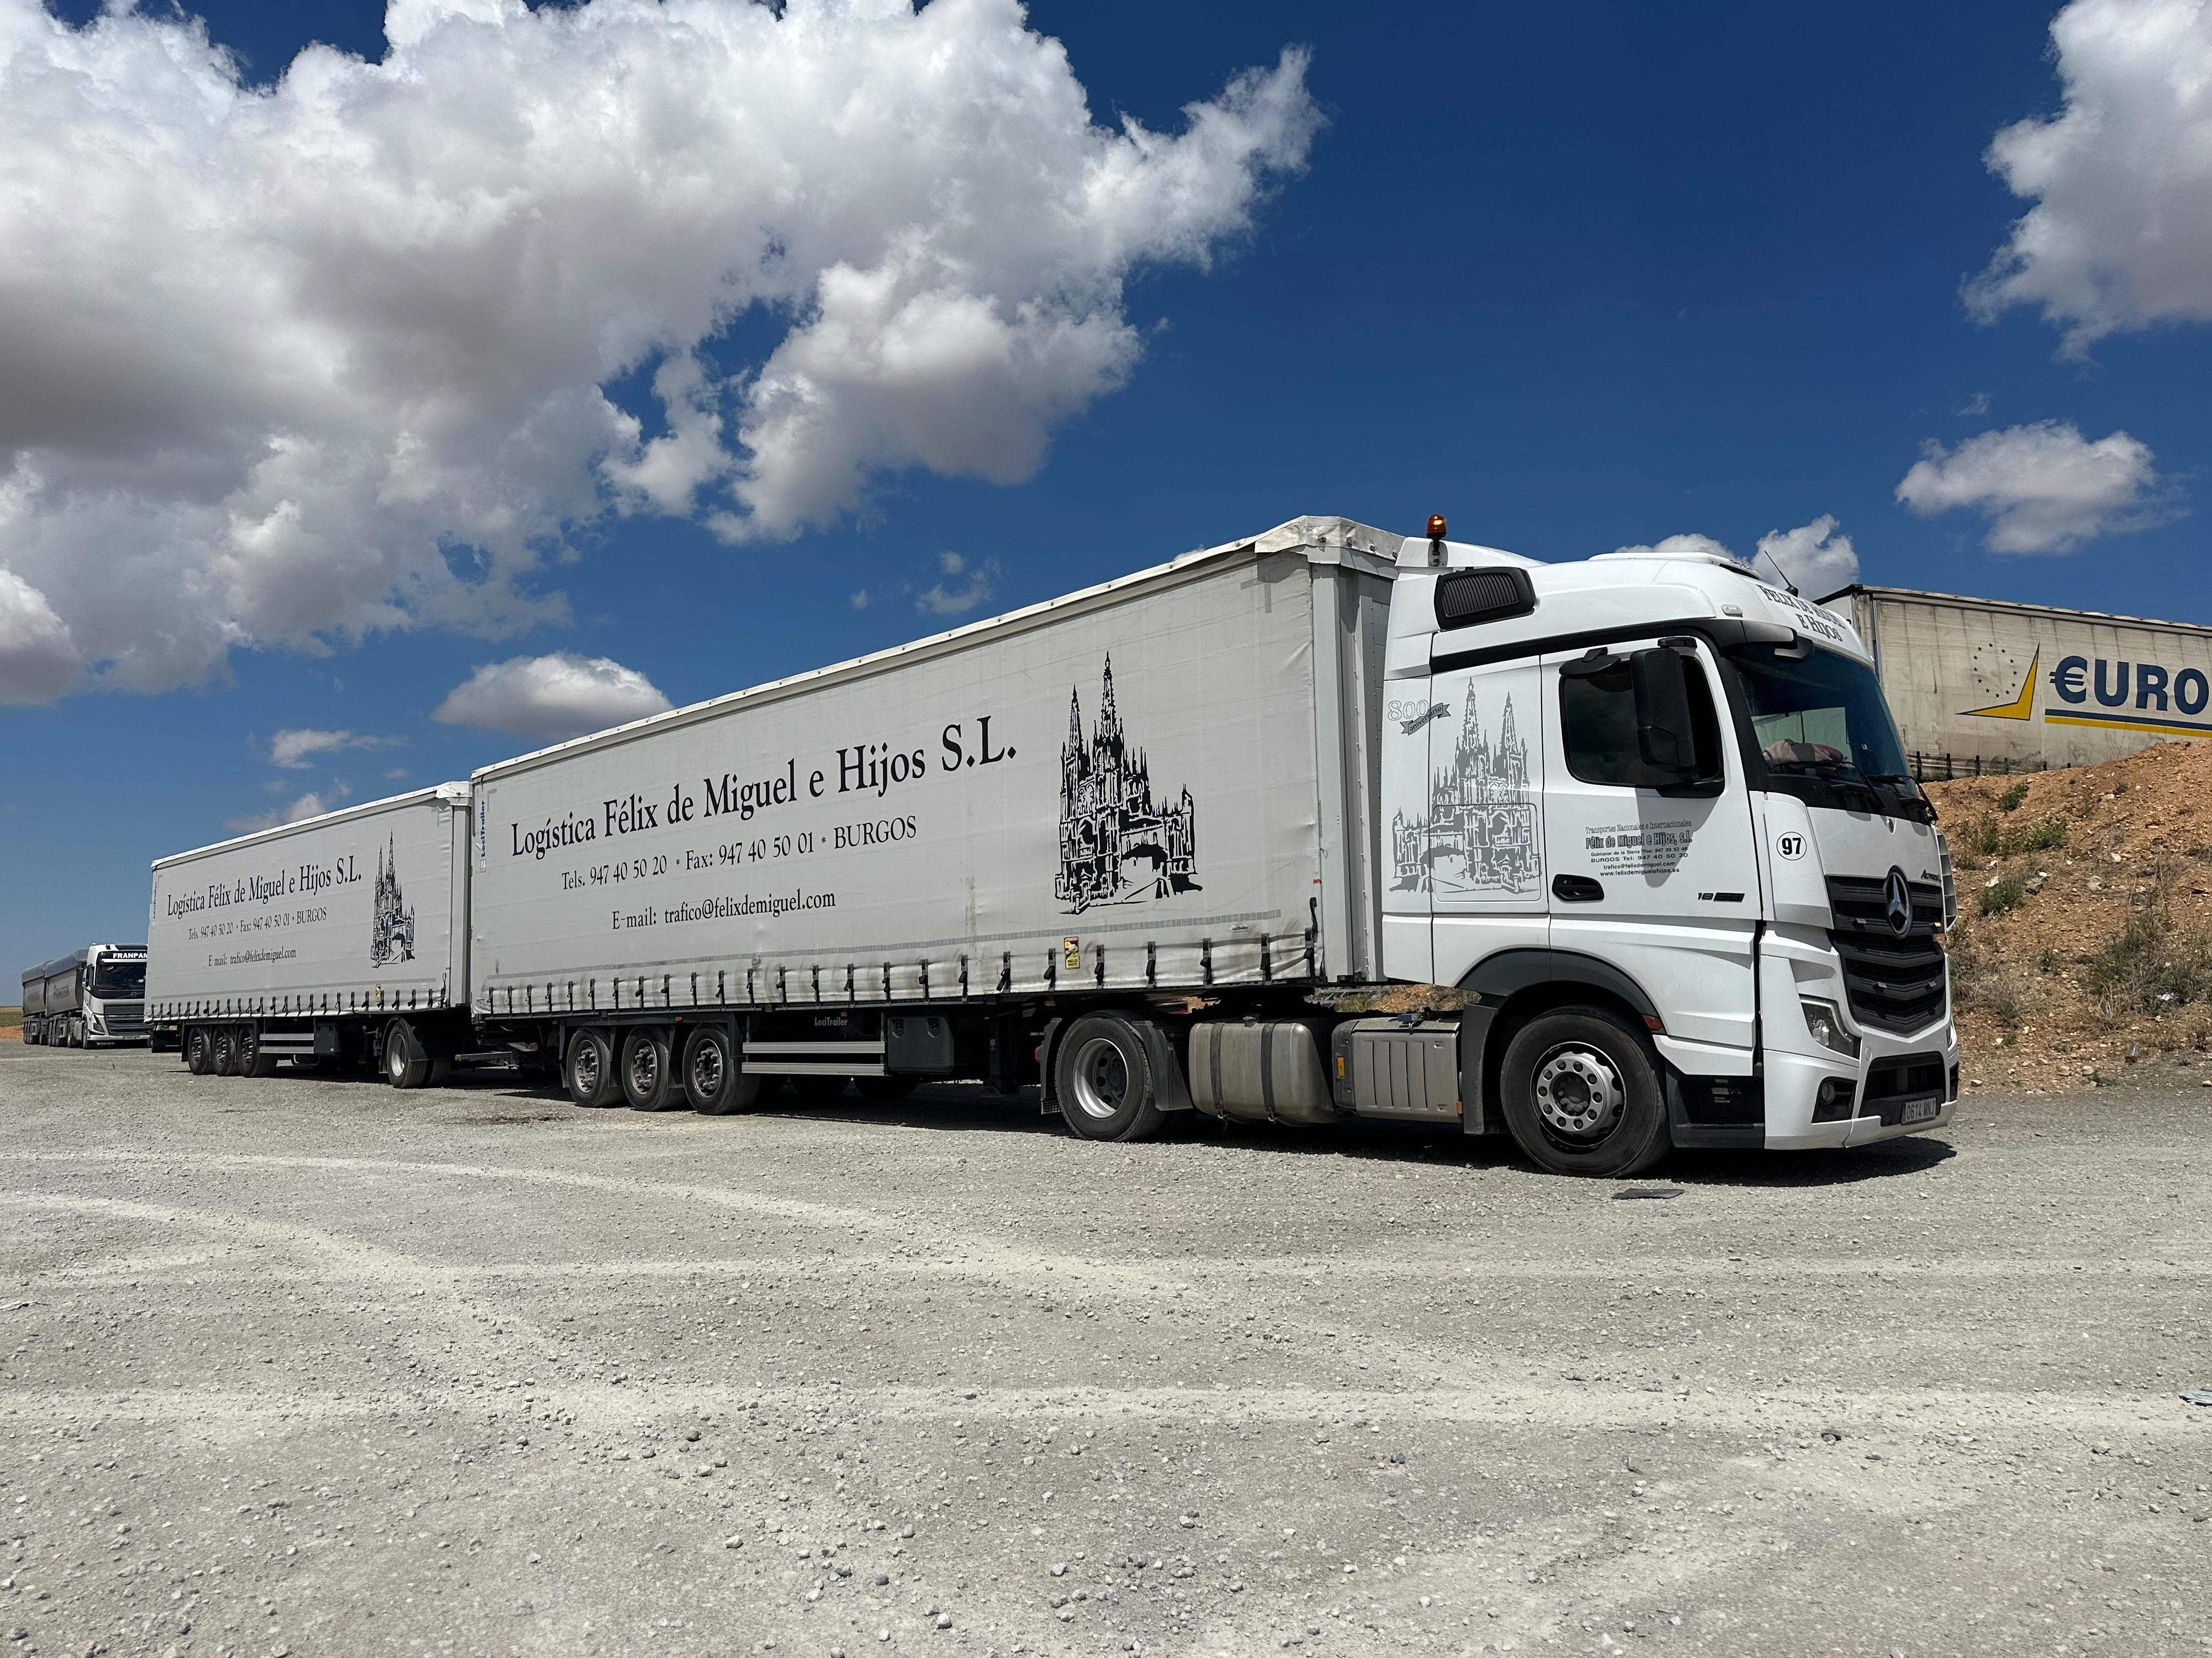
[1655,810]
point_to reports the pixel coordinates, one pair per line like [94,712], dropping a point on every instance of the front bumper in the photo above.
[1793,1088]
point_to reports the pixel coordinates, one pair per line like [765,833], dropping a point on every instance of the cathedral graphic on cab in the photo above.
[1480,832]
[1117,845]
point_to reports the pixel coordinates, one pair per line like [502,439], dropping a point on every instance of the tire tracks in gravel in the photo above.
[960,1254]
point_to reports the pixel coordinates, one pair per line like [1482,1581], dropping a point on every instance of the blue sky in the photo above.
[1578,277]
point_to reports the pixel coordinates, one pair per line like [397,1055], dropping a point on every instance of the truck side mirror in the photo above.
[1665,735]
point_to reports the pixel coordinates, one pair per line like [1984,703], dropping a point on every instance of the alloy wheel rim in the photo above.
[1580,1092]
[1101,1077]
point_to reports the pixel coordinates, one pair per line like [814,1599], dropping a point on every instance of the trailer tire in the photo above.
[405,1064]
[223,1050]
[588,1069]
[251,1062]
[200,1050]
[715,1079]
[1102,1075]
[1582,1095]
[648,1069]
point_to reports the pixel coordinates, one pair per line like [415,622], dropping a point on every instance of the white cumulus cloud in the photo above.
[563,695]
[1817,558]
[312,804]
[2121,232]
[958,589]
[294,750]
[2043,488]
[285,365]
[1680,546]
[39,658]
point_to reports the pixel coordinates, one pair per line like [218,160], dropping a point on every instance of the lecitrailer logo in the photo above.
[2111,692]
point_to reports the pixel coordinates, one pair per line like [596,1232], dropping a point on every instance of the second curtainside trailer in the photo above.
[1050,839]
[333,943]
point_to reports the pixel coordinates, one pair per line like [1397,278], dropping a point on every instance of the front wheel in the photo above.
[714,1081]
[1581,1092]
[1103,1076]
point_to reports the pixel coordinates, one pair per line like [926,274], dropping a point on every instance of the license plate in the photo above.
[1920,1111]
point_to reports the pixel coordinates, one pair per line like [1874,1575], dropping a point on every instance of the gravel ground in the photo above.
[311,1366]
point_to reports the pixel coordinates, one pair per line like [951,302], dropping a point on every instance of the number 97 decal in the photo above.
[1791,846]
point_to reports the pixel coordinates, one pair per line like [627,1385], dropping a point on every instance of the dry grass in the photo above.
[2085,899]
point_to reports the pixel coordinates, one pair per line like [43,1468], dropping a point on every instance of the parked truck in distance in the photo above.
[1612,857]
[95,997]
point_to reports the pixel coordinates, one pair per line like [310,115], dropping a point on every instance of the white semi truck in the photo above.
[1611,857]
[95,997]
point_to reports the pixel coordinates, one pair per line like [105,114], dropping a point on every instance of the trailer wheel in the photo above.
[1582,1095]
[200,1050]
[1105,1080]
[251,1062]
[714,1081]
[406,1065]
[648,1070]
[588,1069]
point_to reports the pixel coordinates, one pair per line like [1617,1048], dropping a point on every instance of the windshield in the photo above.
[1818,713]
[118,978]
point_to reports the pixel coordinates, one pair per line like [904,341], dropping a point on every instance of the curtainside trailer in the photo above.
[339,941]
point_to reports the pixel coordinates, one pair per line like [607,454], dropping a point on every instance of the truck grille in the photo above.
[125,1018]
[1893,983]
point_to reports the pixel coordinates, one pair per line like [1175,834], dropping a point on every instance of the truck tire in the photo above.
[588,1069]
[1581,1095]
[714,1081]
[648,1070]
[1103,1077]
[405,1064]
[251,1062]
[200,1050]
[226,1050]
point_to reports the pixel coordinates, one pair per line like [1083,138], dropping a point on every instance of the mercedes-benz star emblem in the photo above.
[1897,902]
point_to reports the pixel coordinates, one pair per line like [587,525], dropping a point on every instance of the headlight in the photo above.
[1825,1025]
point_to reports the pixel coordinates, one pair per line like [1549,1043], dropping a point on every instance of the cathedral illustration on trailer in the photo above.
[392,924]
[1480,832]
[1116,845]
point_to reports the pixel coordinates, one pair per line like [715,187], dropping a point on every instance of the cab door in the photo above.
[1478,849]
[1653,867]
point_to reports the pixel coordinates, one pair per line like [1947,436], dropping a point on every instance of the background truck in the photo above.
[1613,856]
[335,941]
[95,997]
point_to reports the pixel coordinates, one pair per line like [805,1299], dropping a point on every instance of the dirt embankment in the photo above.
[2085,909]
